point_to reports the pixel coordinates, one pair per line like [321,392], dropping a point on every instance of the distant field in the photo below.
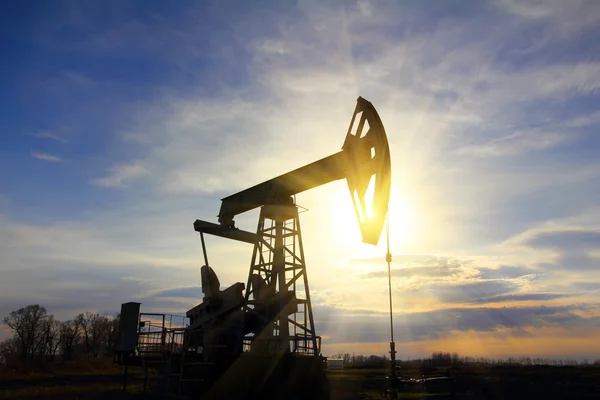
[512,382]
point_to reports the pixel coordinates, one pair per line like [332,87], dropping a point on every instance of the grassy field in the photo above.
[368,384]
[68,380]
[494,382]
[95,381]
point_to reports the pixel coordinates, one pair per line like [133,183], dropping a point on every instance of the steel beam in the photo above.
[225,232]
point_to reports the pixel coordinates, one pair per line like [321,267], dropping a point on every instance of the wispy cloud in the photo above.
[48,135]
[505,271]
[567,18]
[585,120]
[517,143]
[119,175]
[192,292]
[516,297]
[46,157]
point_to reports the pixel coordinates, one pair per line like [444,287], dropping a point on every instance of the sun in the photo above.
[347,233]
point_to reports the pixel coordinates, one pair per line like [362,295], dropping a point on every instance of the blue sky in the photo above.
[123,122]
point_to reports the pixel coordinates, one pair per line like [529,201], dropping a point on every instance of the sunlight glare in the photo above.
[369,195]
[347,231]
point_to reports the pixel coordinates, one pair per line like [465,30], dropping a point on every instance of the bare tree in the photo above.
[347,358]
[8,349]
[112,333]
[38,335]
[49,337]
[70,337]
[107,328]
[27,323]
[97,333]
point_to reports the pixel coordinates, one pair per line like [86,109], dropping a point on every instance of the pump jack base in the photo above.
[259,377]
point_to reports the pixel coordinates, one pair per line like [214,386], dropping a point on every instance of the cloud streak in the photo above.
[120,175]
[193,292]
[46,157]
[49,135]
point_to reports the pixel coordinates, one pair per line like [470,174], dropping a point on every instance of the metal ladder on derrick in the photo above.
[192,371]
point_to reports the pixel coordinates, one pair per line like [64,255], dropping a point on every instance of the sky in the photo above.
[122,122]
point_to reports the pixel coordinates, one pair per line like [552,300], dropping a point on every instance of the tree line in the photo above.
[448,359]
[360,360]
[445,359]
[38,336]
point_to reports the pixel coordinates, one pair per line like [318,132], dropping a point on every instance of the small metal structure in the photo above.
[157,345]
[335,363]
[127,340]
[263,343]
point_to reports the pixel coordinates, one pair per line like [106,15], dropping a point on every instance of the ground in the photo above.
[104,381]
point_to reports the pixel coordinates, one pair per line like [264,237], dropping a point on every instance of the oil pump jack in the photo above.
[273,321]
[262,343]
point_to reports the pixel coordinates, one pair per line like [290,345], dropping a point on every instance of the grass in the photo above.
[68,380]
[357,373]
[98,390]
[373,395]
[62,368]
[91,380]
[368,384]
